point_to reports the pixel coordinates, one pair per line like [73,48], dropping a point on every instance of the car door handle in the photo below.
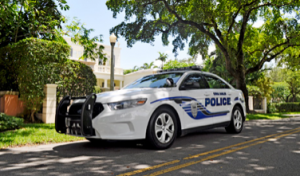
[207,94]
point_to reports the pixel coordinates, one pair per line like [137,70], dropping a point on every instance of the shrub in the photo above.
[36,63]
[76,79]
[97,89]
[271,108]
[280,92]
[9,122]
[288,107]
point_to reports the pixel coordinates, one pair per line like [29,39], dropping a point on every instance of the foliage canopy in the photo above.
[39,62]
[229,24]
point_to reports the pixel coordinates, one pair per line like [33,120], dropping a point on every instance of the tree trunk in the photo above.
[241,84]
[32,115]
[294,99]
[287,99]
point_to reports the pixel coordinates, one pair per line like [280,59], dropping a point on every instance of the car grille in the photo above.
[73,117]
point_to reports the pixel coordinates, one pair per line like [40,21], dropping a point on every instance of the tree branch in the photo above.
[205,31]
[218,32]
[268,59]
[270,4]
[242,34]
[233,20]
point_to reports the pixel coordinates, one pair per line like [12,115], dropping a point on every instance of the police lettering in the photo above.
[217,101]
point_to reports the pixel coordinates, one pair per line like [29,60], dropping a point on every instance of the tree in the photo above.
[21,19]
[39,62]
[227,24]
[280,93]
[162,57]
[189,60]
[148,66]
[293,85]
[176,64]
[81,35]
[35,65]
[277,74]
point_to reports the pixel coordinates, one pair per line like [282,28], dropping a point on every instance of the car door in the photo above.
[192,90]
[220,103]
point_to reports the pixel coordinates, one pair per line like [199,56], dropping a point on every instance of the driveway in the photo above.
[263,148]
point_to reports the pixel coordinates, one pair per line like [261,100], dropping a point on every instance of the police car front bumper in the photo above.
[126,124]
[92,119]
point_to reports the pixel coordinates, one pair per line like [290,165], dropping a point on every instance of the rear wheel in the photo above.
[162,128]
[237,121]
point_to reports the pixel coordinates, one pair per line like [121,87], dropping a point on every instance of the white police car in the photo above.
[157,108]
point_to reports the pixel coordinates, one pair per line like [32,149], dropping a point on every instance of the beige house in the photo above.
[102,71]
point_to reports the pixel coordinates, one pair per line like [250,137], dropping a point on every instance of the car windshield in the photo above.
[154,81]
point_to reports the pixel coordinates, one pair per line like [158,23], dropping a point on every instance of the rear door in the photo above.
[192,90]
[220,103]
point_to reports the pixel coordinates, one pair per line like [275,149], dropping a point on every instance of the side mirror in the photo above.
[170,82]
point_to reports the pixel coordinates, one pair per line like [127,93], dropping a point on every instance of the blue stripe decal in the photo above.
[198,111]
[172,98]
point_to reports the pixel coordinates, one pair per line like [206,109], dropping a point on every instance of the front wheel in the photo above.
[162,128]
[237,121]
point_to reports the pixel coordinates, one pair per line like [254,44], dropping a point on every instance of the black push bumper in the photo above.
[74,115]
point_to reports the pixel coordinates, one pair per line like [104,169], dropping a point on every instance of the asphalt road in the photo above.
[263,148]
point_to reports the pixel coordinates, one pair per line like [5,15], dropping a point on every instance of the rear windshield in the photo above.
[154,81]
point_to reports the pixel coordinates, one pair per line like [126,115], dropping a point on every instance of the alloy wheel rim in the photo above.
[164,128]
[237,119]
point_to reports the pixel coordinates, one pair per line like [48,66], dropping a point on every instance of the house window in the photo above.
[71,52]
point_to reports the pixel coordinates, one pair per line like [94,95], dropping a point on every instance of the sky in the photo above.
[94,14]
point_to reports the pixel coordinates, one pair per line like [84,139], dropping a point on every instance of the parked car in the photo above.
[158,108]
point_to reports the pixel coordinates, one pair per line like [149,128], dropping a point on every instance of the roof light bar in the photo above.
[195,67]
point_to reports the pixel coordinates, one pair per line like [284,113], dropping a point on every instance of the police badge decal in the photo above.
[194,108]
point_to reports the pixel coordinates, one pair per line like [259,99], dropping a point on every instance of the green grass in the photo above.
[274,116]
[33,134]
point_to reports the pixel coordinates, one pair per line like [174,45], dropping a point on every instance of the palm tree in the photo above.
[135,68]
[148,66]
[162,57]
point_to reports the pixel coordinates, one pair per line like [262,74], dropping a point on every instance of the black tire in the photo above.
[237,121]
[168,127]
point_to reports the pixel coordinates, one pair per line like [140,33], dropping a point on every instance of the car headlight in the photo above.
[127,104]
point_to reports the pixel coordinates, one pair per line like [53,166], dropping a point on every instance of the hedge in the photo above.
[288,107]
[9,122]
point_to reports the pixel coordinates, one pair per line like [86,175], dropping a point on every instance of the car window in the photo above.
[195,81]
[154,81]
[215,83]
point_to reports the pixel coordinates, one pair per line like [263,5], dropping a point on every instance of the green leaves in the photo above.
[81,35]
[176,64]
[27,18]
[76,79]
[9,122]
[36,62]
